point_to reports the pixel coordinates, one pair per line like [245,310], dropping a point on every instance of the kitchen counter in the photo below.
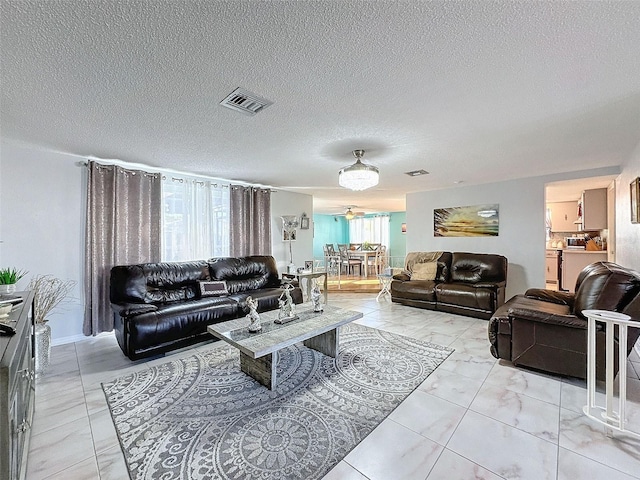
[570,250]
[573,261]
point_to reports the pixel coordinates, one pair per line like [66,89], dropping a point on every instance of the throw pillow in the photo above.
[424,271]
[213,289]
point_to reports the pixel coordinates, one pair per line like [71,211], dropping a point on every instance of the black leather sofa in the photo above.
[546,330]
[470,284]
[159,307]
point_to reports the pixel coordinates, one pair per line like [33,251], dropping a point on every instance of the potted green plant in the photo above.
[8,279]
[49,292]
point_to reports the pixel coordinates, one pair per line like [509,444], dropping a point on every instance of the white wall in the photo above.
[627,233]
[289,203]
[522,229]
[42,222]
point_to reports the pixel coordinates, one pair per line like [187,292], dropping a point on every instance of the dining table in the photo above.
[364,255]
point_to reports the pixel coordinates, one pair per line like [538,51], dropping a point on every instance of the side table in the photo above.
[308,276]
[607,416]
[385,284]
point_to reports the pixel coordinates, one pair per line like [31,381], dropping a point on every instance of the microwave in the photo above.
[575,242]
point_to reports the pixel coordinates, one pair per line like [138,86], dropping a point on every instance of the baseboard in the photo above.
[75,338]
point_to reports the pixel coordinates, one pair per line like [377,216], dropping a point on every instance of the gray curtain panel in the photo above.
[123,227]
[250,221]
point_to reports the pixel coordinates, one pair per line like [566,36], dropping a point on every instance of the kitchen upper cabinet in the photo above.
[563,216]
[594,209]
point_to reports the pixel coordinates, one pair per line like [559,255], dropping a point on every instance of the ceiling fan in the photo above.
[350,214]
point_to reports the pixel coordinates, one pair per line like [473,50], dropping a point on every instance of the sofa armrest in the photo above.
[561,298]
[402,277]
[546,317]
[494,285]
[132,309]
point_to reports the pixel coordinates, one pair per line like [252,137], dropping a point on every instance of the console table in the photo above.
[308,276]
[17,390]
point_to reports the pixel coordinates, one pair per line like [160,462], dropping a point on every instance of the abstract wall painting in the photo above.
[471,221]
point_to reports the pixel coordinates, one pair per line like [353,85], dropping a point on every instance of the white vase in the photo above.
[8,288]
[43,348]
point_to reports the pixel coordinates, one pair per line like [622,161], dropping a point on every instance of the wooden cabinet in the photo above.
[573,262]
[17,391]
[594,209]
[563,216]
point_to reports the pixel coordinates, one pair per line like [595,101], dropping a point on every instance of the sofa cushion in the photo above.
[465,295]
[245,273]
[425,271]
[478,267]
[414,289]
[157,282]
[178,320]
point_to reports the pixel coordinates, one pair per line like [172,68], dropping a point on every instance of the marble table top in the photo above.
[274,337]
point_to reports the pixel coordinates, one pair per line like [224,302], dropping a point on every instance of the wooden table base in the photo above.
[263,369]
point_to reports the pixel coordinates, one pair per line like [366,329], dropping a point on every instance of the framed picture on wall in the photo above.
[288,236]
[304,222]
[635,196]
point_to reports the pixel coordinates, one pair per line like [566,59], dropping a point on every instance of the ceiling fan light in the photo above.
[358,176]
[349,215]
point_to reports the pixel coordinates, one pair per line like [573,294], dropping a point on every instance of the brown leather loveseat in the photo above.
[546,330]
[470,284]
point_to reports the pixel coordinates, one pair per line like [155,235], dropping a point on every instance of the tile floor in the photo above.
[473,418]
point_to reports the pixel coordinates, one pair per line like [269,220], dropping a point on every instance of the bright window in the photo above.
[369,229]
[195,219]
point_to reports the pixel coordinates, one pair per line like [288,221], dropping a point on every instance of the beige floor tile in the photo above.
[60,448]
[518,410]
[451,466]
[504,450]
[430,416]
[344,471]
[394,451]
[450,386]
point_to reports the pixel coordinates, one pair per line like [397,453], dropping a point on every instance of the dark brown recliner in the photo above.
[546,330]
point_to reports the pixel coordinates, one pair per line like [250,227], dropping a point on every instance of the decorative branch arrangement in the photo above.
[49,292]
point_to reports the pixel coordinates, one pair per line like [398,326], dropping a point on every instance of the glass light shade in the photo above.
[358,176]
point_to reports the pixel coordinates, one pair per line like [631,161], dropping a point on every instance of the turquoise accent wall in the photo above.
[328,229]
[335,229]
[397,239]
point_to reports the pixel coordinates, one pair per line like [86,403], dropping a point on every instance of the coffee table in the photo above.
[259,351]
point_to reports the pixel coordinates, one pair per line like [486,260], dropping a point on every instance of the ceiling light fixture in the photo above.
[349,215]
[358,176]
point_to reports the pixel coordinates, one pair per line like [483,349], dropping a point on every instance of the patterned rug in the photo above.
[200,417]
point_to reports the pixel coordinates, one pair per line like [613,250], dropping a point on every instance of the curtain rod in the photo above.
[162,171]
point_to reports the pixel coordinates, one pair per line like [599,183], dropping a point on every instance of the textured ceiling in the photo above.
[469,91]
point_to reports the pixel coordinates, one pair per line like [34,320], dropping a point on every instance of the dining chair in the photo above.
[331,258]
[347,261]
[377,261]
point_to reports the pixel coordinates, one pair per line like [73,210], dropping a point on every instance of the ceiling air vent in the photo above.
[244,101]
[416,173]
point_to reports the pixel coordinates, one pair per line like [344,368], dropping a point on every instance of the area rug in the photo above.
[200,417]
